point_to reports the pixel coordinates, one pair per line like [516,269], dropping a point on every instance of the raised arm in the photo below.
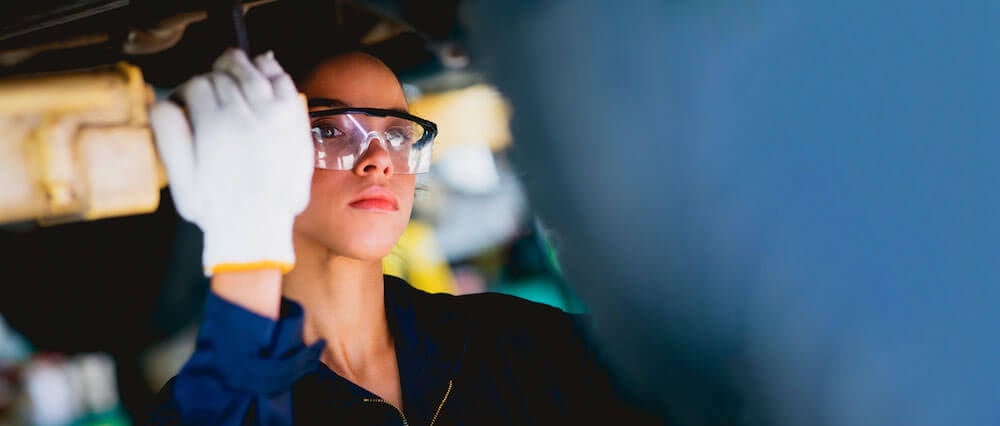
[240,161]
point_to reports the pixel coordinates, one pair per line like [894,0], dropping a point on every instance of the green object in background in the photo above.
[539,290]
[532,272]
[114,417]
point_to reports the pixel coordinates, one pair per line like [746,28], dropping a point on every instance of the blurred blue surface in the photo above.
[778,212]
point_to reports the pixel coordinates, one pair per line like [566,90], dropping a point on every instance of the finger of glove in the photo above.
[281,82]
[301,200]
[199,98]
[226,91]
[254,86]
[304,162]
[174,143]
[303,155]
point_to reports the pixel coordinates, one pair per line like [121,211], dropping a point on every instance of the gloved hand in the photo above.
[241,169]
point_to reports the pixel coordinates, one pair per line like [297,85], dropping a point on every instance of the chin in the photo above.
[364,237]
[367,252]
[365,246]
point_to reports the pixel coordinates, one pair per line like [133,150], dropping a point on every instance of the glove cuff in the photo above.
[236,247]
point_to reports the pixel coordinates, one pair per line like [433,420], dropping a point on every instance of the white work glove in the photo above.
[242,169]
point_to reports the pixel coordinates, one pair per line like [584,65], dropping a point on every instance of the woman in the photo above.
[301,326]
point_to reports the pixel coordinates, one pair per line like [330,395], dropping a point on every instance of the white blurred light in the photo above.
[468,168]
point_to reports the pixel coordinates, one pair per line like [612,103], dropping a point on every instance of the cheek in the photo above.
[317,218]
[404,186]
[320,199]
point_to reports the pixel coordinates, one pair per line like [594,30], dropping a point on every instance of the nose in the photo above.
[375,159]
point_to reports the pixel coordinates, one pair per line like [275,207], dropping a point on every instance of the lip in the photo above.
[375,198]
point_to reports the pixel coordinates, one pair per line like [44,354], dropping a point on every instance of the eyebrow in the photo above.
[337,103]
[327,102]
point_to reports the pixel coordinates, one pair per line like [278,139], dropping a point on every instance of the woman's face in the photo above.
[348,211]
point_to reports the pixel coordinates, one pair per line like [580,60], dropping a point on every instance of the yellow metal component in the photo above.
[418,259]
[476,114]
[77,146]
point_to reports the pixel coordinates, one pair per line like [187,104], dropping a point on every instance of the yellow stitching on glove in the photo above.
[252,266]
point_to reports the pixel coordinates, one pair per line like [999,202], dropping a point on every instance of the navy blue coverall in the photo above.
[476,359]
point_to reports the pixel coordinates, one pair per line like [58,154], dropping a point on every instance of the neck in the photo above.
[344,304]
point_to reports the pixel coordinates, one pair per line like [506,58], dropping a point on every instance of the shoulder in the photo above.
[515,313]
[495,314]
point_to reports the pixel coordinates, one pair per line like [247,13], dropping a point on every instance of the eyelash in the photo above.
[319,125]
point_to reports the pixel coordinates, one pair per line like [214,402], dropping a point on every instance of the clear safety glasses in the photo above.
[341,137]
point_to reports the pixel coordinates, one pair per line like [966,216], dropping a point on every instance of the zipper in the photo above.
[382,401]
[441,405]
[400,412]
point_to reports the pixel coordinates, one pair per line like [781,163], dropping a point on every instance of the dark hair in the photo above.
[302,34]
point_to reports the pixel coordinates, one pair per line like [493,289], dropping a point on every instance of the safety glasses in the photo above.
[341,137]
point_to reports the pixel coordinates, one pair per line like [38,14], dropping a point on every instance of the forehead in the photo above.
[356,79]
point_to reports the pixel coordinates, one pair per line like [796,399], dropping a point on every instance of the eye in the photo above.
[398,136]
[324,132]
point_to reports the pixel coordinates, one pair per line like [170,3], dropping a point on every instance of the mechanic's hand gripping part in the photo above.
[240,160]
